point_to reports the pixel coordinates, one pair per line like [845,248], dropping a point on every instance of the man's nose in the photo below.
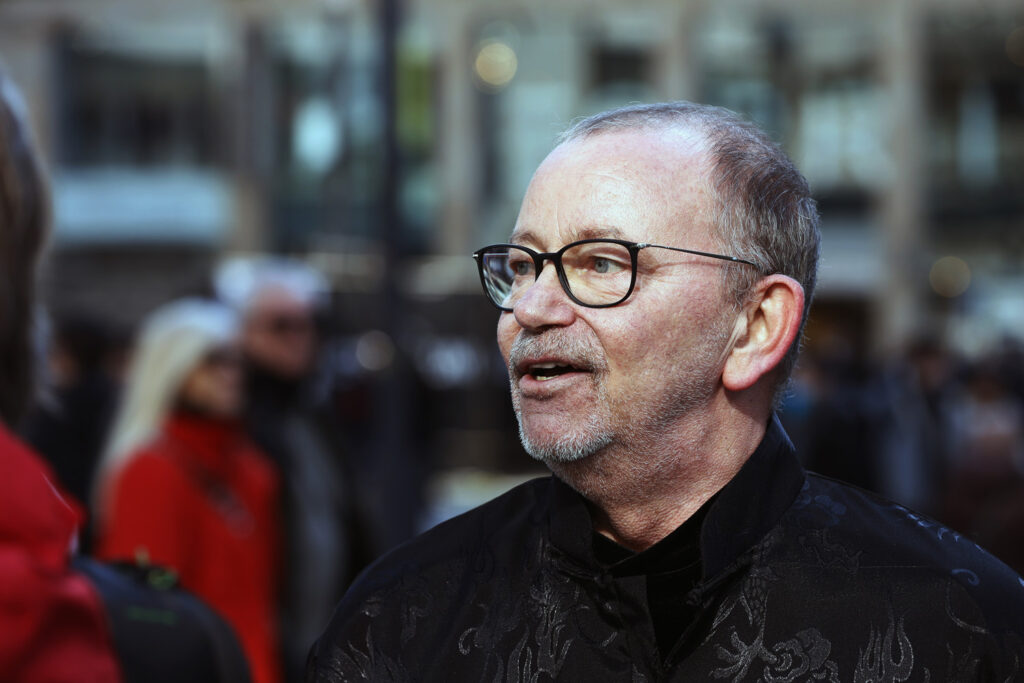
[544,303]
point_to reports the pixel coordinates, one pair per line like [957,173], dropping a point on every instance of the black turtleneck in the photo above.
[672,568]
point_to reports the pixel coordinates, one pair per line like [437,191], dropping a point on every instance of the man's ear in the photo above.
[766,329]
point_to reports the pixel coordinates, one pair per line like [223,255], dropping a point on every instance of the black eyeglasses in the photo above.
[596,273]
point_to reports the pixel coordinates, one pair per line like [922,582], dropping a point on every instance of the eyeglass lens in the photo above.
[596,273]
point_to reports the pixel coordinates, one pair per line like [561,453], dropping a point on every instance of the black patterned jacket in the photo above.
[804,579]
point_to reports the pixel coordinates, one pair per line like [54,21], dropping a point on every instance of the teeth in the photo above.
[546,371]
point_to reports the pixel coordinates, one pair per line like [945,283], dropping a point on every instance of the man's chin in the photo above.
[554,449]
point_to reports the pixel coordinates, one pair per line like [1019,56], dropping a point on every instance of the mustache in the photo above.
[580,352]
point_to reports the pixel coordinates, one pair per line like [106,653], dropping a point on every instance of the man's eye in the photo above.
[521,268]
[606,266]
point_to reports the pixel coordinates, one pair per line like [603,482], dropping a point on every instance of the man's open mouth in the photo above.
[549,370]
[546,371]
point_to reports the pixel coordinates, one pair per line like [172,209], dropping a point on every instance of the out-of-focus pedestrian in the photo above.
[180,483]
[52,623]
[911,401]
[326,542]
[70,426]
[985,492]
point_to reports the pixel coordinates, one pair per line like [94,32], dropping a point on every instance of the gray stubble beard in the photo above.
[572,445]
[576,442]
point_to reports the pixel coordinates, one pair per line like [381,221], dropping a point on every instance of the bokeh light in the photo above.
[375,351]
[950,276]
[495,64]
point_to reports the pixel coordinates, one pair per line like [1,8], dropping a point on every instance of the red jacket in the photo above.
[52,623]
[203,500]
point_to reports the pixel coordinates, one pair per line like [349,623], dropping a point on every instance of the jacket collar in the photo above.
[750,505]
[735,520]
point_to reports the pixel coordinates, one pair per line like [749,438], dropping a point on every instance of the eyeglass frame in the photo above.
[556,258]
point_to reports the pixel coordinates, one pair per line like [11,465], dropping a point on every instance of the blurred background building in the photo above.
[383,141]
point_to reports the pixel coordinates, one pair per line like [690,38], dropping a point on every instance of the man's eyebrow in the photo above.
[522,237]
[608,232]
[588,233]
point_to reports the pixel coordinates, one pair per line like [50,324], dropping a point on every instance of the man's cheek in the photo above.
[506,335]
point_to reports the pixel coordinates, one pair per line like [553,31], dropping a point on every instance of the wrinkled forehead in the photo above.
[641,185]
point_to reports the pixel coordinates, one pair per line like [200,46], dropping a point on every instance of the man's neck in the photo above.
[640,496]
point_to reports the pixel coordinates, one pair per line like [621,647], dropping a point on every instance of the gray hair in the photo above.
[764,210]
[240,281]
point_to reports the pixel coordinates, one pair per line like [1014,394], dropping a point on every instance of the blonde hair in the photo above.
[172,342]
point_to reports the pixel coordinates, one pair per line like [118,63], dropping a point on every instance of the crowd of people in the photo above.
[215,459]
[209,466]
[933,429]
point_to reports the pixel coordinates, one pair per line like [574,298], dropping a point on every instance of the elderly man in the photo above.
[652,297]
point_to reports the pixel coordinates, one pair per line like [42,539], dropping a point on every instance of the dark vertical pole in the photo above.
[256,137]
[390,214]
[397,485]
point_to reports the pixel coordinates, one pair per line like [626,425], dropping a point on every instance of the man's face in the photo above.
[627,375]
[279,334]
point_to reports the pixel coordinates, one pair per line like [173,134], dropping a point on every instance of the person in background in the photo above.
[69,427]
[325,538]
[181,485]
[984,497]
[52,621]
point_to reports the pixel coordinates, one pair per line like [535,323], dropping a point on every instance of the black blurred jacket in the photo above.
[327,536]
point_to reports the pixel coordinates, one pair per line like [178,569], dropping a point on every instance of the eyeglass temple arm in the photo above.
[734,259]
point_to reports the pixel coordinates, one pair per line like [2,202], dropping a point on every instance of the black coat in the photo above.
[801,578]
